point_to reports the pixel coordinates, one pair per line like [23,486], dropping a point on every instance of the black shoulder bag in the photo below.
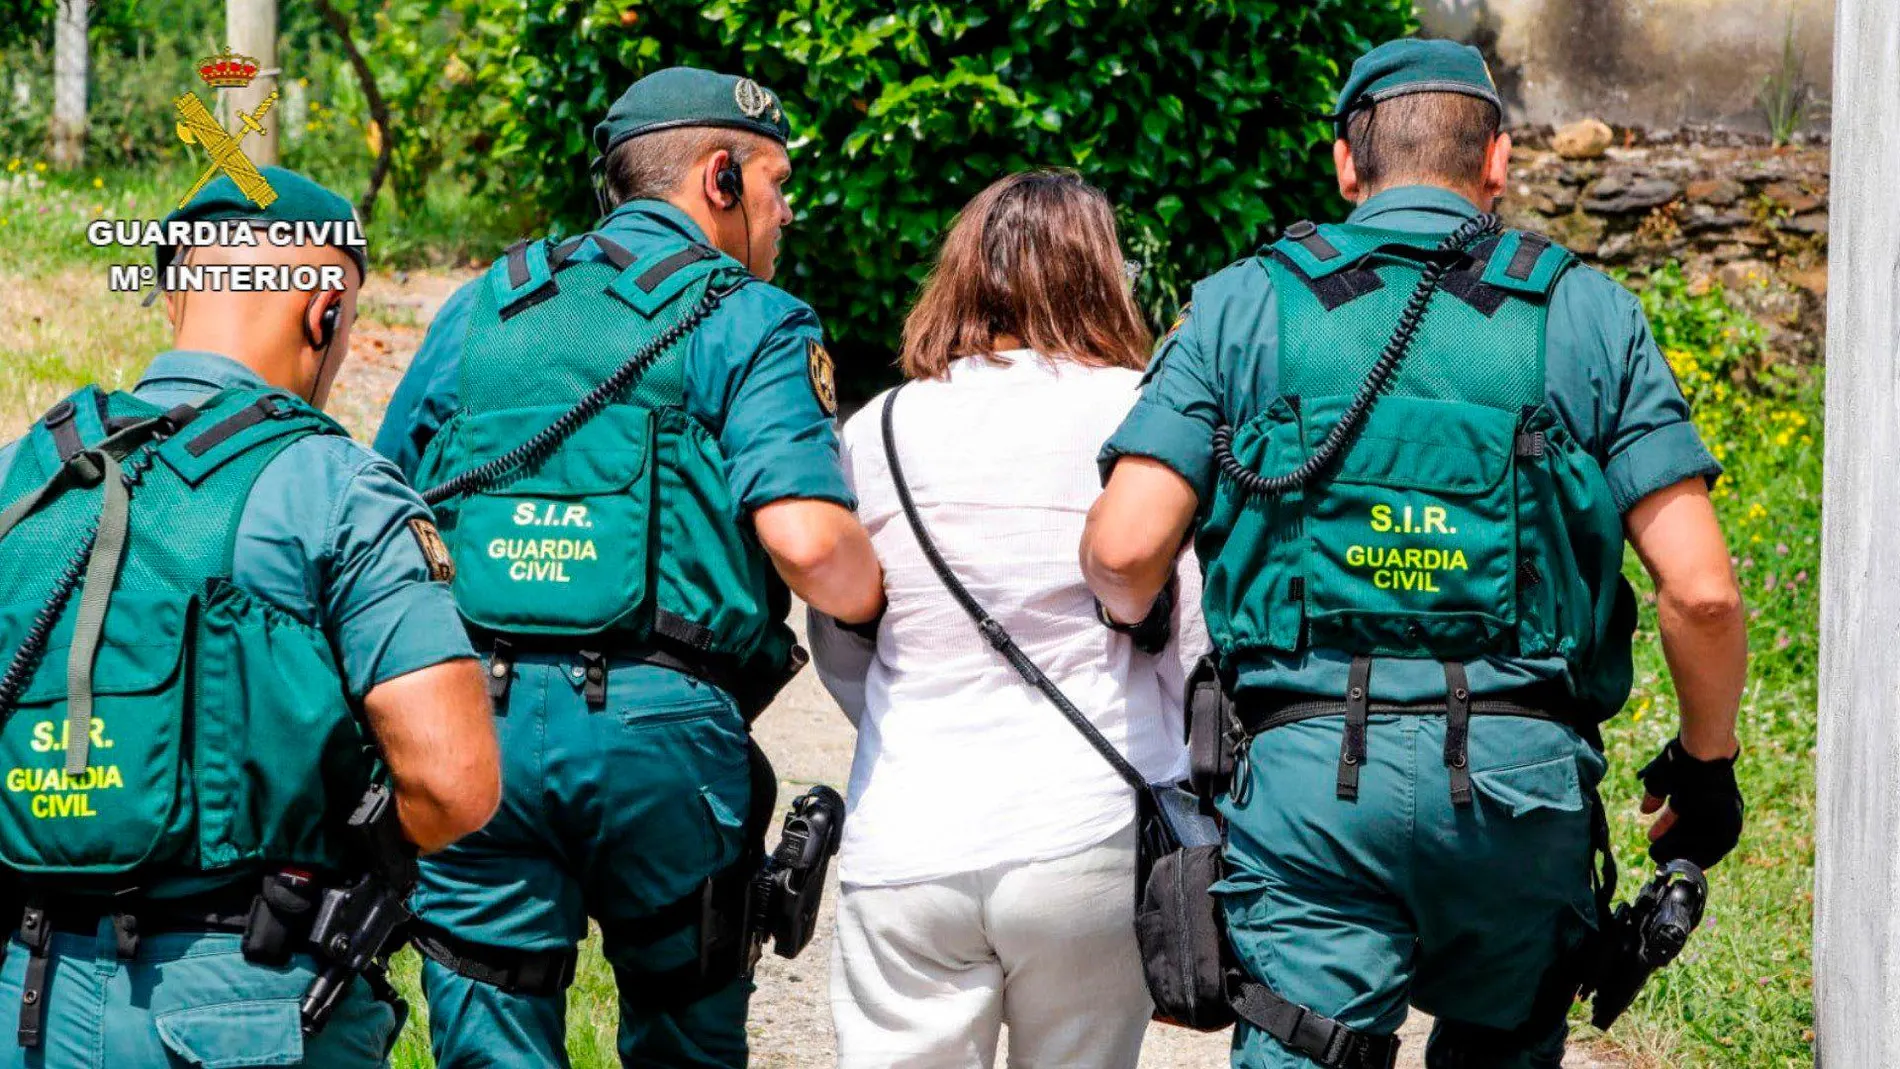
[1178,924]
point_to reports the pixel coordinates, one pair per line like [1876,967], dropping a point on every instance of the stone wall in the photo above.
[1751,218]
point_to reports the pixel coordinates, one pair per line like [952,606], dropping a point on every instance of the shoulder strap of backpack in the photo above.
[992,631]
[235,421]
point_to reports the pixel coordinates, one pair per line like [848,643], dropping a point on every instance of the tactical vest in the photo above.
[1463,520]
[172,724]
[578,497]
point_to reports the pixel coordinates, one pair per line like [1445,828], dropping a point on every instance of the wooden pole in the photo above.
[1857,883]
[251,29]
[70,59]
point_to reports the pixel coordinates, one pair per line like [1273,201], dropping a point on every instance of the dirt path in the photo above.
[808,737]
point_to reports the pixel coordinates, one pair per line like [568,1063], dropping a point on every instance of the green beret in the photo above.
[1413,65]
[687,96]
[298,200]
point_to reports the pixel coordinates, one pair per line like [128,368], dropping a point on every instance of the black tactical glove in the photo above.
[1706,801]
[1152,633]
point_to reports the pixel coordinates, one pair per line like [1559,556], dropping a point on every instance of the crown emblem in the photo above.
[227,70]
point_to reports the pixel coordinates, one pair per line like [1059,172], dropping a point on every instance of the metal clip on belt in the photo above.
[37,934]
[1457,732]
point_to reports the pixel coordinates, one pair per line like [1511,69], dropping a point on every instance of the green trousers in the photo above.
[183,1000]
[1357,908]
[608,813]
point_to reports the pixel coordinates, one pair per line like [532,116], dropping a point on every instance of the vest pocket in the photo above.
[132,804]
[562,546]
[1412,540]
[1254,585]
[276,750]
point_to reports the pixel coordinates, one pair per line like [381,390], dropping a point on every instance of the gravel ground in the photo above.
[808,738]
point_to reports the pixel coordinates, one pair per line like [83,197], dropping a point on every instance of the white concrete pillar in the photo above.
[1857,884]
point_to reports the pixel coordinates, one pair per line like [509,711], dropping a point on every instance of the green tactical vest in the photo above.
[1463,520]
[626,529]
[207,731]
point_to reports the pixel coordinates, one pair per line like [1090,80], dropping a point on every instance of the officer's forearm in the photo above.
[1134,533]
[824,554]
[438,738]
[1705,640]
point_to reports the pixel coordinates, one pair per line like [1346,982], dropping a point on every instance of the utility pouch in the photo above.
[280,917]
[1214,734]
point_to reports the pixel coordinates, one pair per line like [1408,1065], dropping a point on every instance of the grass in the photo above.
[1741,996]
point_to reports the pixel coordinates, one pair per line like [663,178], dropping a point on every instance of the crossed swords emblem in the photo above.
[197,126]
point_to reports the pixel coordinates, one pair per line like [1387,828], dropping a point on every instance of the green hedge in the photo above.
[903,109]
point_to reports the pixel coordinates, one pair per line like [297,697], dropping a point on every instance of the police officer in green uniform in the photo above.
[1412,447]
[630,437]
[215,609]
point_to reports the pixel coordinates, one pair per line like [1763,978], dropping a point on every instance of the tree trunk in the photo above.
[1857,925]
[69,85]
[384,136]
[251,29]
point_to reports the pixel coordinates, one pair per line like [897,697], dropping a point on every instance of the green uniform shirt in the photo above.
[749,378]
[326,538]
[1605,379]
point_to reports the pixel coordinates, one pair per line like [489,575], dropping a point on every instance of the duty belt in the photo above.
[593,656]
[1458,707]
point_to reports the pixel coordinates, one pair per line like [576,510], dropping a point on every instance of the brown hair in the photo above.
[1422,137]
[1035,256]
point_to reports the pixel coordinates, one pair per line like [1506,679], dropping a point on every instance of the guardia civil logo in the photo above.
[197,126]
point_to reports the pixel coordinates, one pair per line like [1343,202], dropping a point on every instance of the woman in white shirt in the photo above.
[989,853]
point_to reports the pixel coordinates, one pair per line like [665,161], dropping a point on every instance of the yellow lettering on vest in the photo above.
[16,780]
[1355,556]
[50,737]
[43,736]
[1382,518]
[524,514]
[1435,521]
[1458,561]
[49,806]
[1382,580]
[576,516]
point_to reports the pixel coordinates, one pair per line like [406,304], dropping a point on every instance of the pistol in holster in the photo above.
[1642,936]
[360,922]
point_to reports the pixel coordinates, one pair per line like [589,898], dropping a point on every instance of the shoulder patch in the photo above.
[1179,322]
[824,378]
[435,552]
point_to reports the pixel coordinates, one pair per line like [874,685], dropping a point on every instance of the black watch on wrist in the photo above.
[1152,633]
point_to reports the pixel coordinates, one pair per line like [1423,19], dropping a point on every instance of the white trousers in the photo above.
[924,975]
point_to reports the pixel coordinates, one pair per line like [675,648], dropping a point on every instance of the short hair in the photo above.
[1035,256]
[1430,137]
[652,166]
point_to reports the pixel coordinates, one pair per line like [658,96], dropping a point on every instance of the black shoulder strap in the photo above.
[993,631]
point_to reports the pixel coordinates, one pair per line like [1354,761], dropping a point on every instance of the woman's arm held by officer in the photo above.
[824,554]
[438,738]
[1133,535]
[1699,611]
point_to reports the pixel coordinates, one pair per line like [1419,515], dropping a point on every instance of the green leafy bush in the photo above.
[903,109]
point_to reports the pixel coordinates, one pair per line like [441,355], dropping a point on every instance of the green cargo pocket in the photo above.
[132,804]
[1253,585]
[562,547]
[1412,543]
[231,1035]
[1551,784]
[272,766]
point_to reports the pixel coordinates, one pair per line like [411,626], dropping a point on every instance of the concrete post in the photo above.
[251,29]
[1857,884]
